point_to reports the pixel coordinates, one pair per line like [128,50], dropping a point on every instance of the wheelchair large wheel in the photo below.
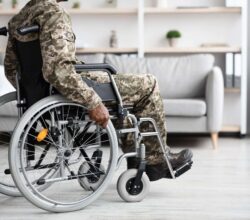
[49,145]
[8,111]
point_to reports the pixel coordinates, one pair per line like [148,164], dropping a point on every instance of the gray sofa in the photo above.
[191,87]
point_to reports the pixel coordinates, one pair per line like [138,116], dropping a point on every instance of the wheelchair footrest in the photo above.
[183,169]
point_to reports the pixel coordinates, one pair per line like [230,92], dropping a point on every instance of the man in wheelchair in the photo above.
[57,42]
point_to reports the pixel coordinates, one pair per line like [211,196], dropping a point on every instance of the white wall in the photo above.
[94,30]
[195,28]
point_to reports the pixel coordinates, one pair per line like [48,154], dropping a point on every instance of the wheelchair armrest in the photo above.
[110,70]
[96,67]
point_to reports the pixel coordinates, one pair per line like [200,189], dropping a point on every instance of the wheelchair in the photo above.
[60,160]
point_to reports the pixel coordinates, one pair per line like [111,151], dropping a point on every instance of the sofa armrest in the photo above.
[215,99]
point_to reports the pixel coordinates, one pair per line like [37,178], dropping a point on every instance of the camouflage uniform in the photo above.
[58,51]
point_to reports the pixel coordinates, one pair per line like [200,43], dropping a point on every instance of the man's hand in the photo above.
[100,115]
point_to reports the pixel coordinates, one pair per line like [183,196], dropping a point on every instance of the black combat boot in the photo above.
[177,160]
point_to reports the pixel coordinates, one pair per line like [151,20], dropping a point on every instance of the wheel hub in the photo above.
[67,153]
[134,189]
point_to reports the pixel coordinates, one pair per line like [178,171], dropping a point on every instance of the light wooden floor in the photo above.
[217,188]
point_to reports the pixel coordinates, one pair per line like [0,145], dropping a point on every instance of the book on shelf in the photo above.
[237,70]
[233,70]
[229,70]
[214,45]
[192,7]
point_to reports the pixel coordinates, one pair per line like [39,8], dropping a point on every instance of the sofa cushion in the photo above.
[182,77]
[185,107]
[127,64]
[178,77]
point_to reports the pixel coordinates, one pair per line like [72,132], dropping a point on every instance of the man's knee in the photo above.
[151,84]
[151,78]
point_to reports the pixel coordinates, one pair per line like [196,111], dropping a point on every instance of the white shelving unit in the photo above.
[103,11]
[137,36]
[210,10]
[181,50]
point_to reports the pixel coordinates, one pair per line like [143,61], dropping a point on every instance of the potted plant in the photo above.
[1,4]
[14,4]
[173,36]
[76,5]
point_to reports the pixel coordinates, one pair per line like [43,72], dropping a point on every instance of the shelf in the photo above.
[232,90]
[8,11]
[231,128]
[102,11]
[106,50]
[89,11]
[193,50]
[211,10]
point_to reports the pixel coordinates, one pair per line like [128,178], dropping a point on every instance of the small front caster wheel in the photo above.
[93,178]
[124,186]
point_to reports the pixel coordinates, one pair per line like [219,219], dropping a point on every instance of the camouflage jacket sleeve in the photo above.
[10,61]
[58,51]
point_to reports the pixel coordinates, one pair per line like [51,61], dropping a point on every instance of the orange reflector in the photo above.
[42,135]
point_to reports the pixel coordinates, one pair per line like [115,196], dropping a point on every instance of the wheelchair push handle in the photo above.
[3,31]
[28,30]
[22,31]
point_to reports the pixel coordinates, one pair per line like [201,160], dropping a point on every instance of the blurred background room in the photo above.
[199,52]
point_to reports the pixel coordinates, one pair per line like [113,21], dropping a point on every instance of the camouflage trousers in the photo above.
[142,92]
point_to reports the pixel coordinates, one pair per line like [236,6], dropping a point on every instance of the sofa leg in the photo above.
[215,137]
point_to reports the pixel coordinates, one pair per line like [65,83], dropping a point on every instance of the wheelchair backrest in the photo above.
[33,87]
